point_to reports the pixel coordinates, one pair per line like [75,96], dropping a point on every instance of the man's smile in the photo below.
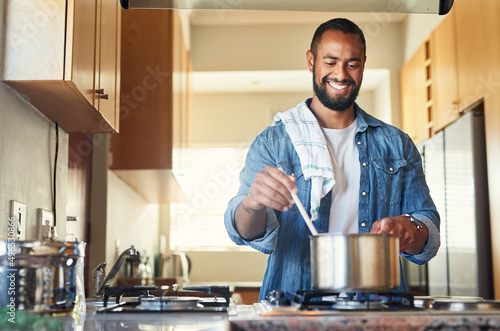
[338,86]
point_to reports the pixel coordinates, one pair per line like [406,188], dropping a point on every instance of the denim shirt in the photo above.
[392,183]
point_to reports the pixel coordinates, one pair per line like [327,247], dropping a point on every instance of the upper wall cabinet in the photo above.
[415,95]
[156,101]
[469,19]
[455,69]
[63,57]
[444,73]
[457,62]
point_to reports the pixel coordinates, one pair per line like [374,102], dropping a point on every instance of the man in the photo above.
[352,172]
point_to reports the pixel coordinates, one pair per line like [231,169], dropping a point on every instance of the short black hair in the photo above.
[341,24]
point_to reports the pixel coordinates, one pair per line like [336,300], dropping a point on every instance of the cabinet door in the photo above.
[407,98]
[470,53]
[106,73]
[444,73]
[80,64]
[414,96]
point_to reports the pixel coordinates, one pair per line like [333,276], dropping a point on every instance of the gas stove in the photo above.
[143,299]
[320,302]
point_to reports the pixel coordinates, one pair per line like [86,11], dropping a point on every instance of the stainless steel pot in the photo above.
[355,262]
[39,276]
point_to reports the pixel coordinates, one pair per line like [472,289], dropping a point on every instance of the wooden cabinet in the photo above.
[444,73]
[415,95]
[63,57]
[491,90]
[456,62]
[470,51]
[155,102]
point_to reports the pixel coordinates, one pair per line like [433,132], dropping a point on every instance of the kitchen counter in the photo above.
[396,320]
[246,317]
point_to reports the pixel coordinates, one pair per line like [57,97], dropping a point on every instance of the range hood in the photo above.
[441,7]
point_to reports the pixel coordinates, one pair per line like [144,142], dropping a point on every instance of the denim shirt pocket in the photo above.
[390,181]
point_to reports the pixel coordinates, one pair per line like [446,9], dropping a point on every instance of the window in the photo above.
[209,178]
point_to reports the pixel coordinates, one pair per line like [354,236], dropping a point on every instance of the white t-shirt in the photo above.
[345,192]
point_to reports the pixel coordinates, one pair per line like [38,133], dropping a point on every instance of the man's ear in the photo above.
[310,60]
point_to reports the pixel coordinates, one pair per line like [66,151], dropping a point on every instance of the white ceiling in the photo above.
[248,17]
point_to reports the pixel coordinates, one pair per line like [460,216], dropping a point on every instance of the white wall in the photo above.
[27,148]
[416,29]
[283,47]
[130,220]
[119,216]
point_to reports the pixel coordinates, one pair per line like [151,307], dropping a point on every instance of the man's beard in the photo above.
[339,103]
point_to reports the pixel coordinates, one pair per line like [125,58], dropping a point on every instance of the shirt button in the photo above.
[363,193]
[292,174]
[359,142]
[364,164]
[390,169]
[321,231]
[363,224]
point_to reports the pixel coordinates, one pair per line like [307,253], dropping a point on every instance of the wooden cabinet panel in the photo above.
[155,102]
[470,51]
[53,59]
[444,73]
[145,138]
[107,76]
[414,96]
[83,33]
[491,90]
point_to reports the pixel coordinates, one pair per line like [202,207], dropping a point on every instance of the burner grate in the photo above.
[329,300]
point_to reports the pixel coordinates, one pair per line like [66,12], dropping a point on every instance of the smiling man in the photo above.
[353,172]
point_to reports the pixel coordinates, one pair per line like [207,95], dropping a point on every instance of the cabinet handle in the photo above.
[101,94]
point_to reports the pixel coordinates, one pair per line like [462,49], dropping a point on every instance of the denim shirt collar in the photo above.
[364,119]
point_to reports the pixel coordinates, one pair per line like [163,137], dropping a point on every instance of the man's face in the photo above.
[337,69]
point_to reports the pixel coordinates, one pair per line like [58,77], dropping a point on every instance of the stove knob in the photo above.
[278,298]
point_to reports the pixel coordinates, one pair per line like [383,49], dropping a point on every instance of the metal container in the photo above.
[39,276]
[355,262]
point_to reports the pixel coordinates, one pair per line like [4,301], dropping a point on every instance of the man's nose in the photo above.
[341,73]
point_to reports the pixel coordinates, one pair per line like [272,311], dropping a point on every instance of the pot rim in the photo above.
[339,234]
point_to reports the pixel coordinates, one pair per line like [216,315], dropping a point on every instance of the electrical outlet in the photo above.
[18,214]
[45,221]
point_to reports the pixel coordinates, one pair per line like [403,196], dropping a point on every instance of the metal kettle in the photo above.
[178,264]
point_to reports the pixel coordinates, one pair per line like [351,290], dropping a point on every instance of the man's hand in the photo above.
[271,188]
[411,240]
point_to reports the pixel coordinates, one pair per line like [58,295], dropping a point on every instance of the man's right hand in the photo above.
[271,188]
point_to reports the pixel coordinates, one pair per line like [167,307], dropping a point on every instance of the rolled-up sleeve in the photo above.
[433,241]
[258,158]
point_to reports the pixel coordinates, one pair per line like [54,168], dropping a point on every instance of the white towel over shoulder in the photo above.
[310,144]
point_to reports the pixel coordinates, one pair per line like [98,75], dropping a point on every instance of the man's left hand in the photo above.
[411,240]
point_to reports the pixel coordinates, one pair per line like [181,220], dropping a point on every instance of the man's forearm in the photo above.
[250,223]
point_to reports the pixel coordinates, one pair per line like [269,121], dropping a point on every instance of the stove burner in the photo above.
[328,300]
[211,298]
[169,303]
